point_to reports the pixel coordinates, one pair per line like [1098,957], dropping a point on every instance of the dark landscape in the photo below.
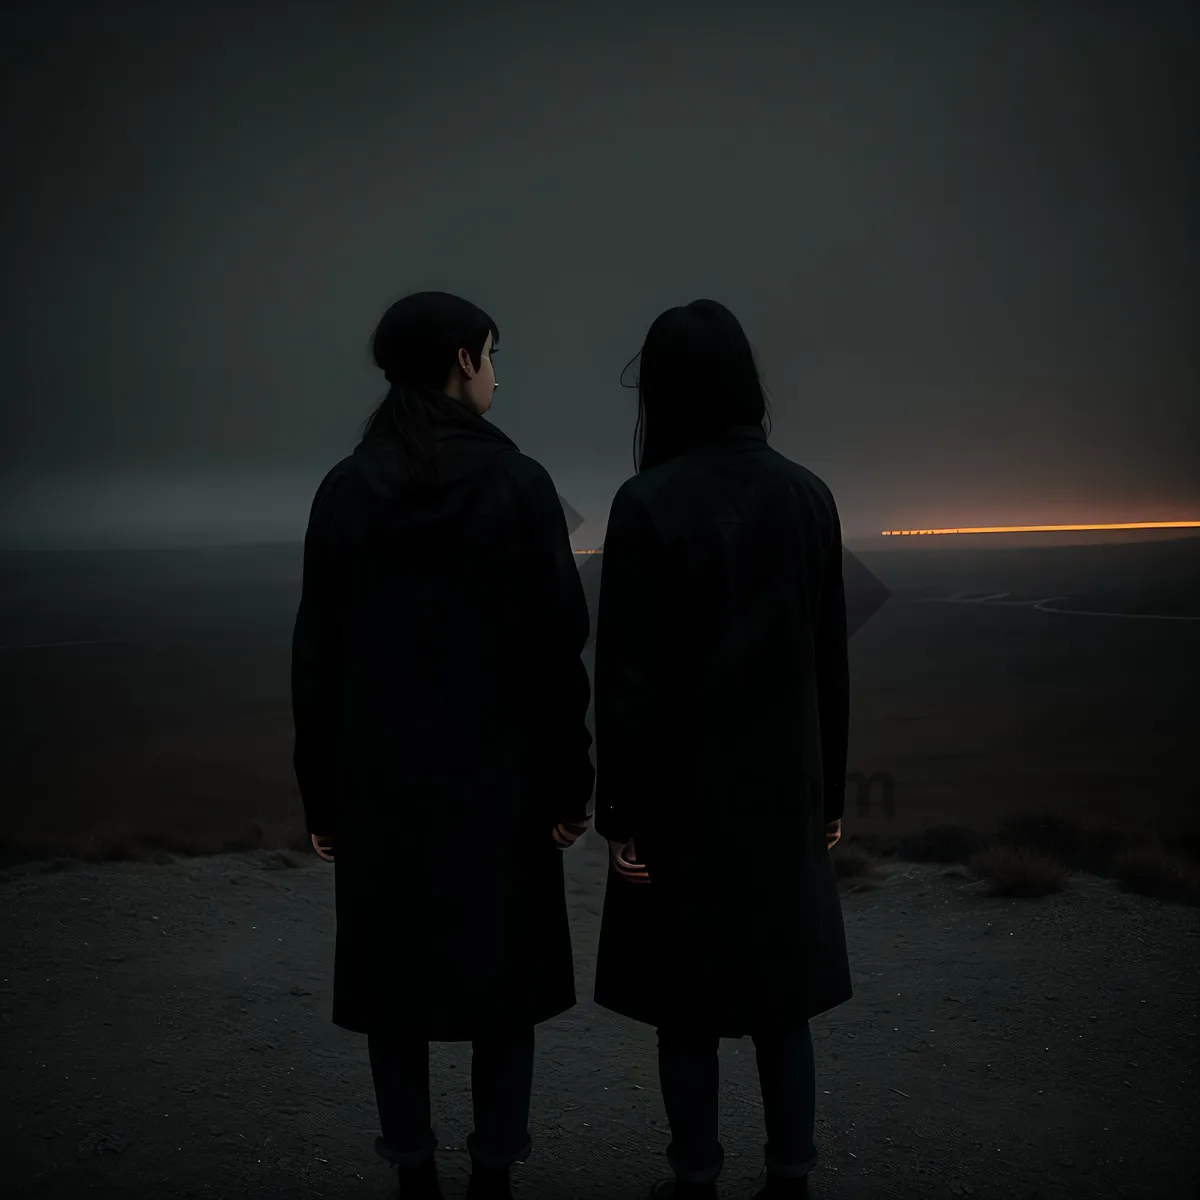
[961,242]
[146,692]
[1019,886]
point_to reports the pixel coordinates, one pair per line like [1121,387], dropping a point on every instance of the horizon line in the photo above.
[1042,528]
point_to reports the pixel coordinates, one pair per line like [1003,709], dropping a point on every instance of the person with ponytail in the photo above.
[442,751]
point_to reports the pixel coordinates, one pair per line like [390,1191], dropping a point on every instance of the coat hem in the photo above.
[732,1030]
[467,1032]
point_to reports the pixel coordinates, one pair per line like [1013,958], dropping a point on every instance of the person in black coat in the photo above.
[442,750]
[721,719]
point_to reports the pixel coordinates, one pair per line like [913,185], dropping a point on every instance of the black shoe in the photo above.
[488,1183]
[679,1189]
[419,1182]
[784,1189]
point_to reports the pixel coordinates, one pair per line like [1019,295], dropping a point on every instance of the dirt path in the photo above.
[166,1033]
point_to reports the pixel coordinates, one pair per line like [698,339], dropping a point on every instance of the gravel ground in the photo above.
[166,1033]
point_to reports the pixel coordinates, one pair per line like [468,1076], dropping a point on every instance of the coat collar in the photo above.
[735,434]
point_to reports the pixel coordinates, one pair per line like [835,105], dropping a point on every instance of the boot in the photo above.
[419,1182]
[489,1183]
[679,1189]
[783,1189]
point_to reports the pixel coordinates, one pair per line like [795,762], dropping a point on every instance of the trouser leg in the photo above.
[400,1070]
[787,1077]
[689,1075]
[501,1087]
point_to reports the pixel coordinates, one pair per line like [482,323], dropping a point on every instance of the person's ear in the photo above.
[464,363]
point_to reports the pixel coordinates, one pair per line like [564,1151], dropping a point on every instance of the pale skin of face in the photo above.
[473,387]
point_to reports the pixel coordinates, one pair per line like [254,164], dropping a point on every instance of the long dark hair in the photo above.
[696,375]
[416,345]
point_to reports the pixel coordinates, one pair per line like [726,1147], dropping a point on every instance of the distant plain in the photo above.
[146,692]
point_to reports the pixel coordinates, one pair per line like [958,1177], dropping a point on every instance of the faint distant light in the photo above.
[1043,528]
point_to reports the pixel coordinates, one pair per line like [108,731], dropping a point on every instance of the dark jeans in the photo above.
[501,1083]
[689,1076]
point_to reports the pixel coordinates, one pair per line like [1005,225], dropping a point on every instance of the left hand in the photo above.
[323,846]
[567,833]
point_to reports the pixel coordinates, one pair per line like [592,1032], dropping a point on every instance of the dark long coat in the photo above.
[440,703]
[721,716]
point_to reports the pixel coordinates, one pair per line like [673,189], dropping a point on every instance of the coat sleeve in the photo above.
[833,676]
[558,623]
[629,670]
[313,667]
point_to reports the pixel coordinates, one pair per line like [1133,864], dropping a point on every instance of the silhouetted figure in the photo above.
[441,746]
[721,708]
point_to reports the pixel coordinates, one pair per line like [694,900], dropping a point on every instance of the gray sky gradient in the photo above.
[962,238]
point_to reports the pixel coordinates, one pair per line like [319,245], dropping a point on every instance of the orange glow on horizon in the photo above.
[1043,528]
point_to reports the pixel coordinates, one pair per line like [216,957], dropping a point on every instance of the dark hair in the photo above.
[696,376]
[416,345]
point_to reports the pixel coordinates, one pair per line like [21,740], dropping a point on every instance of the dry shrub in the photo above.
[1080,847]
[1152,870]
[278,840]
[276,860]
[49,866]
[1014,871]
[851,863]
[877,845]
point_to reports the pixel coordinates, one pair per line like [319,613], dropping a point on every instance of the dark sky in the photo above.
[963,239]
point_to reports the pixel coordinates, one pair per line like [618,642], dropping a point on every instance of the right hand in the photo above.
[833,833]
[623,857]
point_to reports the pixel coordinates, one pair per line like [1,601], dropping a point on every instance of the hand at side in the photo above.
[833,833]
[623,856]
[567,833]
